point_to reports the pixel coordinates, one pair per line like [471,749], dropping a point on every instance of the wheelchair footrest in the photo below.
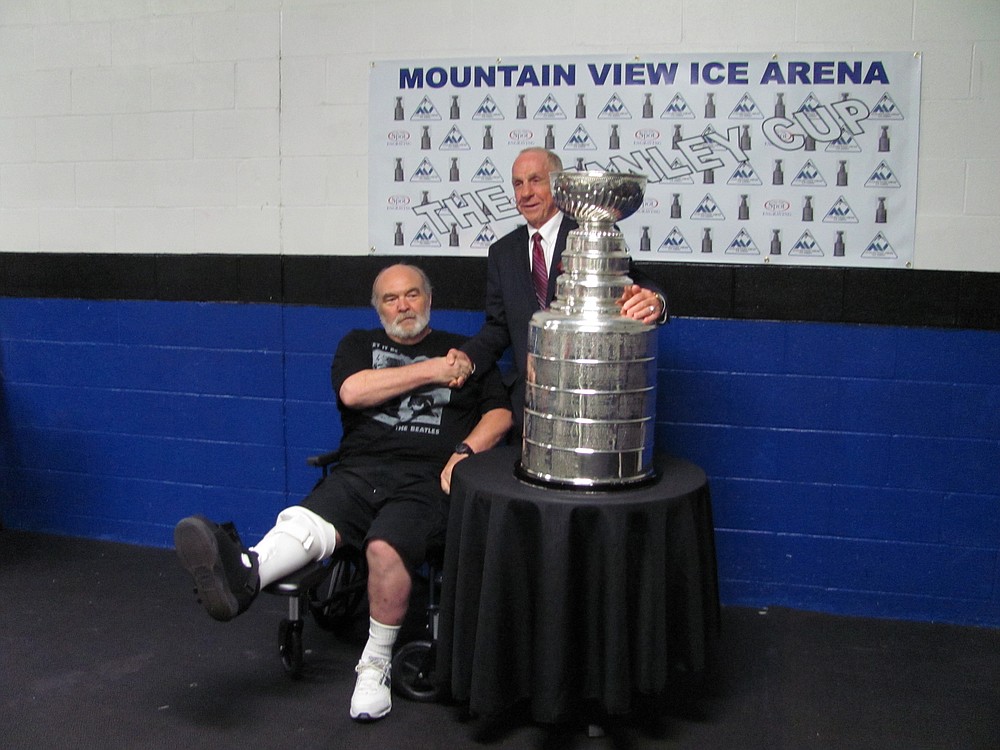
[299,582]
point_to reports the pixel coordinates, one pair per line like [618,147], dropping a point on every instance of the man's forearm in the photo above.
[369,388]
[488,345]
[490,430]
[493,338]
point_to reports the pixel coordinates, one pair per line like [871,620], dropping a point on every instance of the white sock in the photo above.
[381,639]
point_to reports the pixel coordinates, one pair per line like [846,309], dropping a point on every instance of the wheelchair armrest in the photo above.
[324,460]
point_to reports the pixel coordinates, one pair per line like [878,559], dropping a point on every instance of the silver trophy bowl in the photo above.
[598,197]
[591,380]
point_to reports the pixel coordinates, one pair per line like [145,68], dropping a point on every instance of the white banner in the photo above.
[804,159]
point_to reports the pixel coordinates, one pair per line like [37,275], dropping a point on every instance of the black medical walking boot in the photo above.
[224,571]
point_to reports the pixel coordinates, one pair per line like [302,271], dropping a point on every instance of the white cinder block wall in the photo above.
[239,126]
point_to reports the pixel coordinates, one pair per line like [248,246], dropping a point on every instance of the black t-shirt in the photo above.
[423,425]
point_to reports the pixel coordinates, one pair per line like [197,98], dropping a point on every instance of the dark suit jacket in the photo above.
[510,303]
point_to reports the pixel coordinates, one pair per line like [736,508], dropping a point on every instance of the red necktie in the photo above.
[539,272]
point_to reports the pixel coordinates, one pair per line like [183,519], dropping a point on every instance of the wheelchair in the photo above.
[334,591]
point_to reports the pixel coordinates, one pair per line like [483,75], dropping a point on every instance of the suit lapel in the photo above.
[521,282]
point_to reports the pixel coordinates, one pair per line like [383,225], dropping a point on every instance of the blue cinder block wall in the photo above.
[853,468]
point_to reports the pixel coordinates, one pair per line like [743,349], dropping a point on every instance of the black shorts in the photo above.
[400,503]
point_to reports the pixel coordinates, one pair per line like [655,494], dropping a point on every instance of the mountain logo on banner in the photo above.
[425,237]
[708,210]
[743,244]
[485,238]
[810,104]
[425,172]
[806,246]
[683,179]
[488,110]
[677,109]
[426,111]
[454,141]
[885,109]
[746,109]
[809,176]
[674,243]
[713,145]
[844,144]
[580,139]
[615,109]
[487,172]
[882,177]
[879,247]
[549,109]
[841,213]
[744,175]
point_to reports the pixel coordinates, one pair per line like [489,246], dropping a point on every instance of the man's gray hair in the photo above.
[555,163]
[424,280]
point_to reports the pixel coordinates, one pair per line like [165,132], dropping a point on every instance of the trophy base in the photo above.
[582,484]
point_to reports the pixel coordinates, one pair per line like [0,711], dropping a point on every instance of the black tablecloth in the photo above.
[575,600]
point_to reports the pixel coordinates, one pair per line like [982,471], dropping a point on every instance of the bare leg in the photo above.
[389,583]
[389,586]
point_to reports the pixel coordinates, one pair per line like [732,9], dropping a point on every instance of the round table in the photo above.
[575,600]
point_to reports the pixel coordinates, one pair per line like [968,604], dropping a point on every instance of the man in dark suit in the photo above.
[511,298]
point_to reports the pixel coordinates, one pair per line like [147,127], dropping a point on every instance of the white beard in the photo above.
[396,329]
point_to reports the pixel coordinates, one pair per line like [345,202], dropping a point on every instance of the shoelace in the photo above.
[377,670]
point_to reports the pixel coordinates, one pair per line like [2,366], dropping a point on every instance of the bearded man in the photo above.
[404,429]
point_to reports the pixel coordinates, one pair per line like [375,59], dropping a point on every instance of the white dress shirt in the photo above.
[550,232]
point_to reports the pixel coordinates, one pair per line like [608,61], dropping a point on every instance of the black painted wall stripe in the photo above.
[946,299]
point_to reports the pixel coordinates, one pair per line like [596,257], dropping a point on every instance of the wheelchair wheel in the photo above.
[290,646]
[413,671]
[335,603]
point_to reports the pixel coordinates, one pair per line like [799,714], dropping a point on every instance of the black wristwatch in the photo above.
[463,449]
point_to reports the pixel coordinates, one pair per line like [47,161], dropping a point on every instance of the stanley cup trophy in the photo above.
[591,378]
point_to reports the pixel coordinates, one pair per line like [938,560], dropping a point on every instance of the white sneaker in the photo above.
[372,697]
